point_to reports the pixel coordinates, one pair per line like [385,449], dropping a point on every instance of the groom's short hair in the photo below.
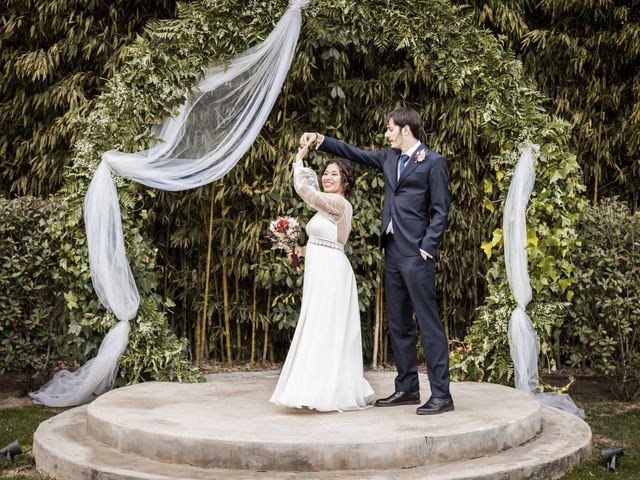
[407,116]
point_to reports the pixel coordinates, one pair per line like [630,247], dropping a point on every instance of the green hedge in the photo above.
[478,108]
[603,325]
[32,319]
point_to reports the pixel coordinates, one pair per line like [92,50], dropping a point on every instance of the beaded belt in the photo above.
[325,243]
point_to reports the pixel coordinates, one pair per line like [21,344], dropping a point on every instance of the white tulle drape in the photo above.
[522,338]
[201,144]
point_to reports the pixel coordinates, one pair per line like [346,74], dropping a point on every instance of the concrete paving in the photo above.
[226,428]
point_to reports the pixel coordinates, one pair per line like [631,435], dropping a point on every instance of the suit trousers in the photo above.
[410,285]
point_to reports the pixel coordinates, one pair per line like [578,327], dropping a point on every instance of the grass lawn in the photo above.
[612,423]
[19,423]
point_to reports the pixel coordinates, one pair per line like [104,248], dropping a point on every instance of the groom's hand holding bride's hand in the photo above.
[311,138]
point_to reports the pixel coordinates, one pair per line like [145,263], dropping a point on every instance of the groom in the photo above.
[416,204]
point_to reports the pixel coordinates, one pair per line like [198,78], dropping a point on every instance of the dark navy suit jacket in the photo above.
[418,202]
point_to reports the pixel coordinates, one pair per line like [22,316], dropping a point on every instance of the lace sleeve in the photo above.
[305,181]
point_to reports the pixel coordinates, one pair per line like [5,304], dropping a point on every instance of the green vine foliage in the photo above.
[477,104]
[552,214]
[154,351]
[355,62]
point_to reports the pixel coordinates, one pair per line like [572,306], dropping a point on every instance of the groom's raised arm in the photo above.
[371,158]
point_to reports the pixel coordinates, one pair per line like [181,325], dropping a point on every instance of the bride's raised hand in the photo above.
[302,153]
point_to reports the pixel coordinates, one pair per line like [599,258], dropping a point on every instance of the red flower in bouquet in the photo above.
[282,224]
[284,233]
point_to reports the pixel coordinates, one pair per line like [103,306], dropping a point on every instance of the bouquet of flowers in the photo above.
[284,233]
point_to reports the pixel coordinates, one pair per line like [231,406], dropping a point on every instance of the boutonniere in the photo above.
[420,156]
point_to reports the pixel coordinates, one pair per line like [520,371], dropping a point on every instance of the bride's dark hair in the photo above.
[347,174]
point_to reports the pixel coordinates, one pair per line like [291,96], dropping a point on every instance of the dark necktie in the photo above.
[404,159]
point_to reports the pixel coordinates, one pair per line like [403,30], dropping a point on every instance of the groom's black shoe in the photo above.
[436,405]
[399,398]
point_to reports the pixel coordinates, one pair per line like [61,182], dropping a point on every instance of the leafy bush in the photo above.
[31,316]
[50,316]
[478,106]
[604,321]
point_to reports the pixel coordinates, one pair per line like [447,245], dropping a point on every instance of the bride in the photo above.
[323,369]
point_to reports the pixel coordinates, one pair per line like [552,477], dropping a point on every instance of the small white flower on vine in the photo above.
[83,148]
[119,92]
[420,156]
[145,328]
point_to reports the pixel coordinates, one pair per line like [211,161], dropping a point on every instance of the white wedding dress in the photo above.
[323,369]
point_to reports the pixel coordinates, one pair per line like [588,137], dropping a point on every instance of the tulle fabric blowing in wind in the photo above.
[522,338]
[201,144]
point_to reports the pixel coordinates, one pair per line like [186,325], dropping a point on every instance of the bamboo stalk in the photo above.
[216,294]
[254,316]
[225,293]
[203,337]
[225,299]
[376,329]
[596,179]
[183,322]
[385,344]
[203,328]
[445,316]
[198,330]
[254,304]
[265,348]
[238,317]
[223,355]
[380,340]
[265,344]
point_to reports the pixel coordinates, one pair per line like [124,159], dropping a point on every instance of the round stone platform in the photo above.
[226,428]
[228,422]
